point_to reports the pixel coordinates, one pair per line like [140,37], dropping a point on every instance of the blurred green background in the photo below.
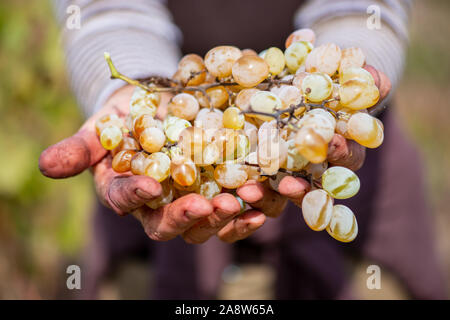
[44,224]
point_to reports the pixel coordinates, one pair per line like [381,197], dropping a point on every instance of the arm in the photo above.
[143,41]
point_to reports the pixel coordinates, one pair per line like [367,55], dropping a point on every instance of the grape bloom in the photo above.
[236,116]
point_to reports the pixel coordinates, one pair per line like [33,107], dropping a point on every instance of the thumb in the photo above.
[71,156]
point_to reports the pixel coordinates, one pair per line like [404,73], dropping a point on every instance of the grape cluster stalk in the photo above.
[236,115]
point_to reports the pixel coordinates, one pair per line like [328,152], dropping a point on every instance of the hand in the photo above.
[341,152]
[192,216]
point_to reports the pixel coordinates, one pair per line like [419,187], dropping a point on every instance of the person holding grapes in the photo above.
[145,42]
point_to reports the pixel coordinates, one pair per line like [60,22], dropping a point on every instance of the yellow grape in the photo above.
[294,161]
[111,137]
[144,102]
[107,120]
[183,171]
[272,154]
[275,59]
[166,196]
[152,139]
[208,187]
[340,182]
[317,209]
[158,166]
[358,94]
[191,64]
[289,95]
[243,98]
[324,59]
[317,87]
[343,226]
[184,106]
[192,141]
[296,54]
[356,73]
[321,121]
[210,155]
[143,122]
[218,97]
[230,175]
[227,142]
[128,143]
[311,145]
[233,119]
[366,130]
[265,101]
[174,128]
[301,35]
[122,161]
[249,71]
[220,60]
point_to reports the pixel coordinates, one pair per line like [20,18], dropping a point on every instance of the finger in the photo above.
[123,192]
[71,156]
[242,226]
[346,153]
[226,207]
[294,189]
[260,196]
[174,219]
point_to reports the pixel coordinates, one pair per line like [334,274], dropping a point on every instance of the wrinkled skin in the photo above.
[193,217]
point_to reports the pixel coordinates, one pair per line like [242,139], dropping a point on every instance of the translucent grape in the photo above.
[219,60]
[336,104]
[311,145]
[243,98]
[301,35]
[294,161]
[289,95]
[242,148]
[296,54]
[128,143]
[343,226]
[356,73]
[272,154]
[218,97]
[108,120]
[316,170]
[143,122]
[321,121]
[230,175]
[249,71]
[192,141]
[210,155]
[139,162]
[184,106]
[265,101]
[317,208]
[183,171]
[249,52]
[233,119]
[297,81]
[324,59]
[122,160]
[358,94]
[208,187]
[340,182]
[152,139]
[191,70]
[158,166]
[274,57]
[227,142]
[351,57]
[317,87]
[174,129]
[166,196]
[144,102]
[210,121]
[111,137]
[366,130]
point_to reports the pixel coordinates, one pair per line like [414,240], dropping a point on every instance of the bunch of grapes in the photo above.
[236,115]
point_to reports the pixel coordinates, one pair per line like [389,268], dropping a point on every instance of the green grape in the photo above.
[340,182]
